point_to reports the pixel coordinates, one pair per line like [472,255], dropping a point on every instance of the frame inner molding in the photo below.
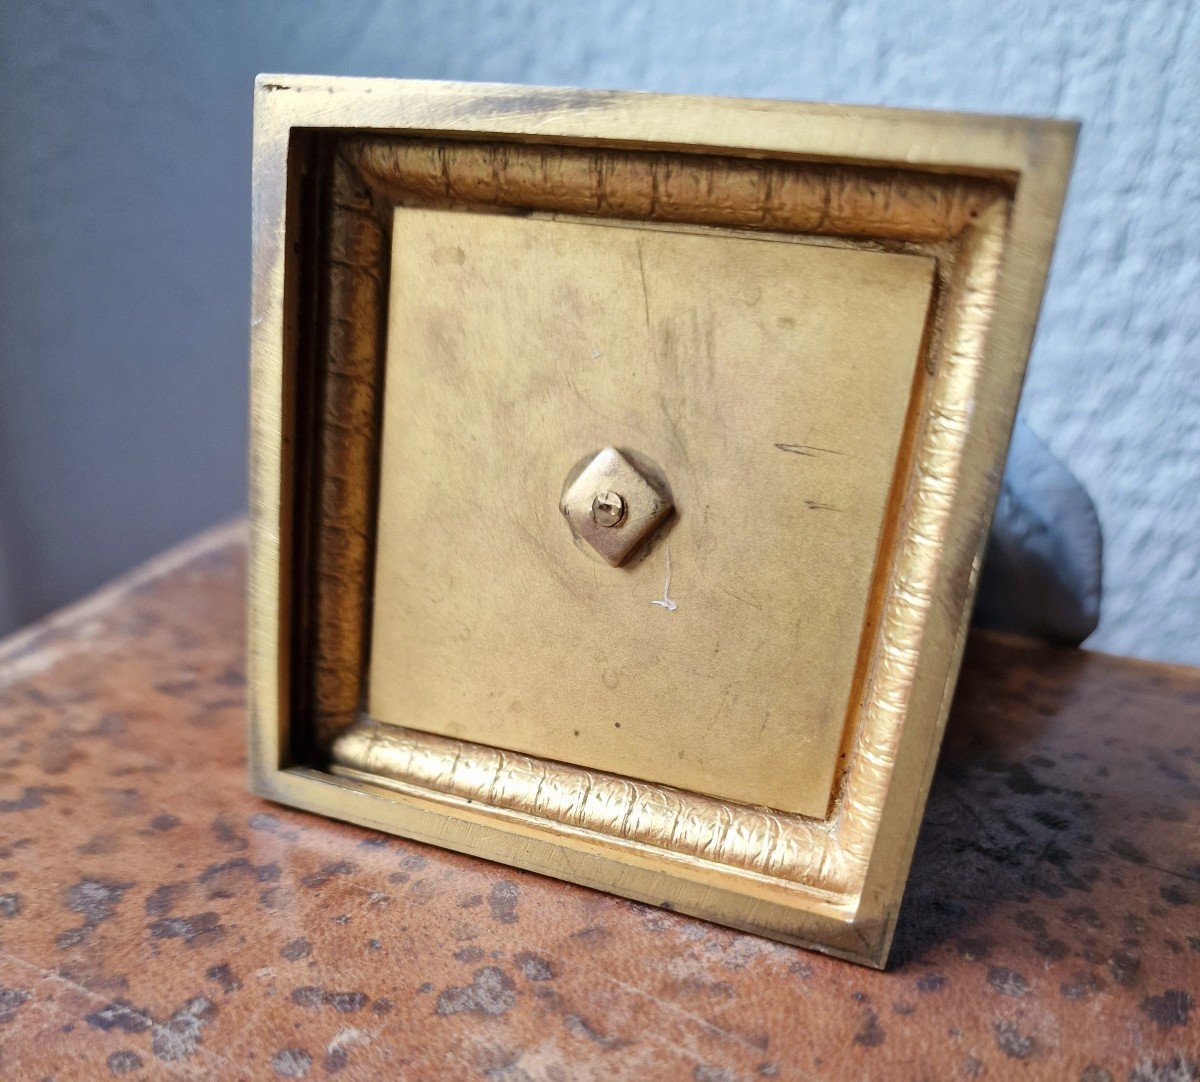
[352,183]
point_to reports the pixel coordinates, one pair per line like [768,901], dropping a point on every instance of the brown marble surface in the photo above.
[158,921]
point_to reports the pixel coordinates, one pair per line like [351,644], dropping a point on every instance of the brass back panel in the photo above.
[768,378]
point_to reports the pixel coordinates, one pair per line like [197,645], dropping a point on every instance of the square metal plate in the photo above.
[621,469]
[767,379]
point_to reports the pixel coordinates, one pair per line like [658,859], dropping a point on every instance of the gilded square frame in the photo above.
[331,156]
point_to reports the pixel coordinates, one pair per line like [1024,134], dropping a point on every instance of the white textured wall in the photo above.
[124,173]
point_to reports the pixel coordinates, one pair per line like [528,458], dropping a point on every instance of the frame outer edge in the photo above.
[1035,218]
[266,624]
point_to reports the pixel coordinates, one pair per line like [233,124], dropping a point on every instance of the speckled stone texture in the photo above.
[157,921]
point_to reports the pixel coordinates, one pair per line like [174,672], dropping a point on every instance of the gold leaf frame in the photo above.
[332,160]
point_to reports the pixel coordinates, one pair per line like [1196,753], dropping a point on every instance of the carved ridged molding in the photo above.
[921,542]
[345,455]
[962,220]
[789,196]
[561,796]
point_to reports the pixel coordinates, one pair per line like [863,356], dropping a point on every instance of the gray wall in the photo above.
[124,259]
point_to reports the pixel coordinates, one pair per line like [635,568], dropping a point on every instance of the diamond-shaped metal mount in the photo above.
[613,506]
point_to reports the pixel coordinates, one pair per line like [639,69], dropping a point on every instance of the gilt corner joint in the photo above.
[621,468]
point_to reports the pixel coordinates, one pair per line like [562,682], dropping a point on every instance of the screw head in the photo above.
[612,505]
[608,508]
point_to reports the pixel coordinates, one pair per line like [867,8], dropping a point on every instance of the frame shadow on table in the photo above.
[1010,824]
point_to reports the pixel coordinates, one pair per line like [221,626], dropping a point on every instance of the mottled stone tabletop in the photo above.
[156,920]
